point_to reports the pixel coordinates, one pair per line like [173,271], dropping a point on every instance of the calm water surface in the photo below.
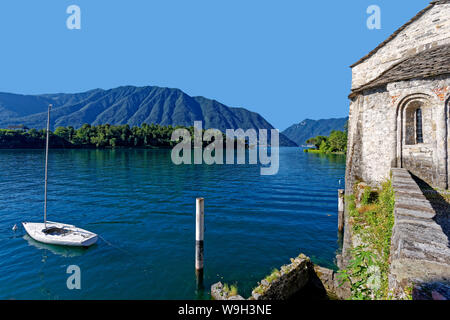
[143,206]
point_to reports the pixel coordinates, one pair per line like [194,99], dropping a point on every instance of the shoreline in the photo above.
[315,151]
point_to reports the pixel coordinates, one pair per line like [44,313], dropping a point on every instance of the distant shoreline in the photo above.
[316,151]
[25,147]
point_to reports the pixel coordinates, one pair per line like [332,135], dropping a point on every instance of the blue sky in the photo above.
[285,59]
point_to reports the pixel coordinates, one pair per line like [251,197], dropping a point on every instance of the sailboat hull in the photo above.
[60,234]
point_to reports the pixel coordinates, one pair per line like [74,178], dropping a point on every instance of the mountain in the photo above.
[307,129]
[127,105]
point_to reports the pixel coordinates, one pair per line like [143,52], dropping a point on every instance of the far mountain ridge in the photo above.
[127,105]
[308,128]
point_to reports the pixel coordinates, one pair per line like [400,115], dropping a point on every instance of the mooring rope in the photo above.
[115,247]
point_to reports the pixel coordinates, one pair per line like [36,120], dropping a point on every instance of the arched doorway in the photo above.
[416,137]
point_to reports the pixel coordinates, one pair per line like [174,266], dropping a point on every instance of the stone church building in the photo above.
[400,103]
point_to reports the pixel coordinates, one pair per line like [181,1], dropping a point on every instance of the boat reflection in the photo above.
[64,251]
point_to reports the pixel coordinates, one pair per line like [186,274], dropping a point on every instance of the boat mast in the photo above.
[46,165]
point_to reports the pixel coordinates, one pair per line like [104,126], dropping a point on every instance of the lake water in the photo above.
[143,206]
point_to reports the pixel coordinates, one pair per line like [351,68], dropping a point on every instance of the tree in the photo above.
[63,132]
[317,141]
[100,136]
[338,141]
[324,146]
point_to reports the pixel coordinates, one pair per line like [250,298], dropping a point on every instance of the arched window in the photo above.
[413,126]
[419,132]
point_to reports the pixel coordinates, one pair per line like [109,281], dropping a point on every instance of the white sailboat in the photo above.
[54,232]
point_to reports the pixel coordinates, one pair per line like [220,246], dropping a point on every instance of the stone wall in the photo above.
[372,138]
[218,292]
[431,29]
[300,279]
[377,133]
[291,279]
[420,247]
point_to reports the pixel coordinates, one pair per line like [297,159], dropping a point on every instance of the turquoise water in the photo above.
[143,206]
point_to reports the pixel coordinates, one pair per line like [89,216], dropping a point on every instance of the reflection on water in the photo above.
[63,251]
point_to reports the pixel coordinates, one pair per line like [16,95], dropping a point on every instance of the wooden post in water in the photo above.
[199,238]
[341,209]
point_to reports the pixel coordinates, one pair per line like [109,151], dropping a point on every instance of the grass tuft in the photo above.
[230,290]
[372,222]
[273,276]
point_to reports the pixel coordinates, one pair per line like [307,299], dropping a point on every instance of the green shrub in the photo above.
[369,196]
[231,290]
[368,269]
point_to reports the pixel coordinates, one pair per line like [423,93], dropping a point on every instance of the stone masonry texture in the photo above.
[420,249]
[409,72]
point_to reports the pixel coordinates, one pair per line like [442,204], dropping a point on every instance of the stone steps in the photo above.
[420,248]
